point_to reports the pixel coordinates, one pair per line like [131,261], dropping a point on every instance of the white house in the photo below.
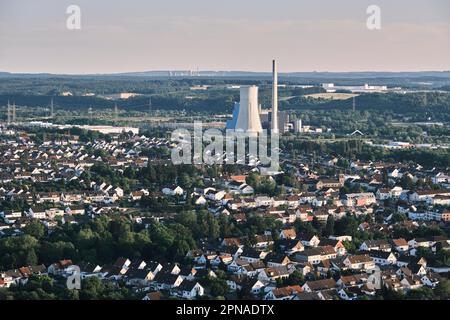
[359,199]
[37,213]
[400,245]
[173,191]
[359,262]
[200,201]
[190,290]
[11,216]
[427,195]
[383,258]
[256,286]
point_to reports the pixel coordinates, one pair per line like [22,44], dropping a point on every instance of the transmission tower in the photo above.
[354,104]
[14,112]
[51,108]
[90,113]
[8,115]
[116,113]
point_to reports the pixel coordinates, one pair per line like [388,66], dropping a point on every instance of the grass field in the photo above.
[332,96]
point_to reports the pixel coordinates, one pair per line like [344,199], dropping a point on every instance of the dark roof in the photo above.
[328,242]
[152,265]
[168,267]
[251,253]
[120,262]
[275,258]
[411,260]
[137,273]
[308,296]
[323,284]
[87,267]
[229,249]
[38,269]
[289,243]
[308,252]
[378,254]
[201,273]
[187,285]
[168,278]
[186,271]
[377,243]
[135,264]
[111,270]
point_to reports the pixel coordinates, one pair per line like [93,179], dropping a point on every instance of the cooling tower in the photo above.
[231,124]
[248,118]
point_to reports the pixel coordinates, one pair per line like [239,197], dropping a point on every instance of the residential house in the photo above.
[400,245]
[190,290]
[284,293]
[319,285]
[167,281]
[359,262]
[382,257]
[369,245]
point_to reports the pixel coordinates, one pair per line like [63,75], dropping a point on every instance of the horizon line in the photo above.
[216,71]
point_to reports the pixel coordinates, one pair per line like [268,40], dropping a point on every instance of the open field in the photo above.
[332,96]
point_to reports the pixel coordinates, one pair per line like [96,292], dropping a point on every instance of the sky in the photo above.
[238,35]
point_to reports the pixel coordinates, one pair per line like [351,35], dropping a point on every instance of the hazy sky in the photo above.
[140,35]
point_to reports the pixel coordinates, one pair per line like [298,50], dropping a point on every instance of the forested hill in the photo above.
[435,105]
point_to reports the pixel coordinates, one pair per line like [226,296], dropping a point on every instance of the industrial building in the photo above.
[366,88]
[248,116]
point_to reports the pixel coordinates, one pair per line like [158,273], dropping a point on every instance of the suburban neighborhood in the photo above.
[316,231]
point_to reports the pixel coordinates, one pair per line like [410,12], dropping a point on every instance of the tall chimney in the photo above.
[274,97]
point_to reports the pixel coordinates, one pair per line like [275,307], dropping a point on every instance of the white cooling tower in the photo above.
[248,118]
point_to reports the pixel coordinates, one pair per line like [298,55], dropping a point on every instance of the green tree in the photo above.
[91,289]
[35,228]
[329,228]
[218,287]
[442,289]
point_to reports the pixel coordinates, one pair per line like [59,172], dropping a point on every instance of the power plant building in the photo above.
[298,125]
[248,115]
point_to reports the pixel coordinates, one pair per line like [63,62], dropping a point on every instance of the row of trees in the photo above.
[47,288]
[102,240]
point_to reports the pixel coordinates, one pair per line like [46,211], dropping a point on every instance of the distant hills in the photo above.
[423,80]
[233,74]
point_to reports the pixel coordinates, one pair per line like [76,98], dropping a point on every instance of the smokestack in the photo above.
[274,97]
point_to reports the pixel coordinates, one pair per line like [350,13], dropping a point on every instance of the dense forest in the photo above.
[418,106]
